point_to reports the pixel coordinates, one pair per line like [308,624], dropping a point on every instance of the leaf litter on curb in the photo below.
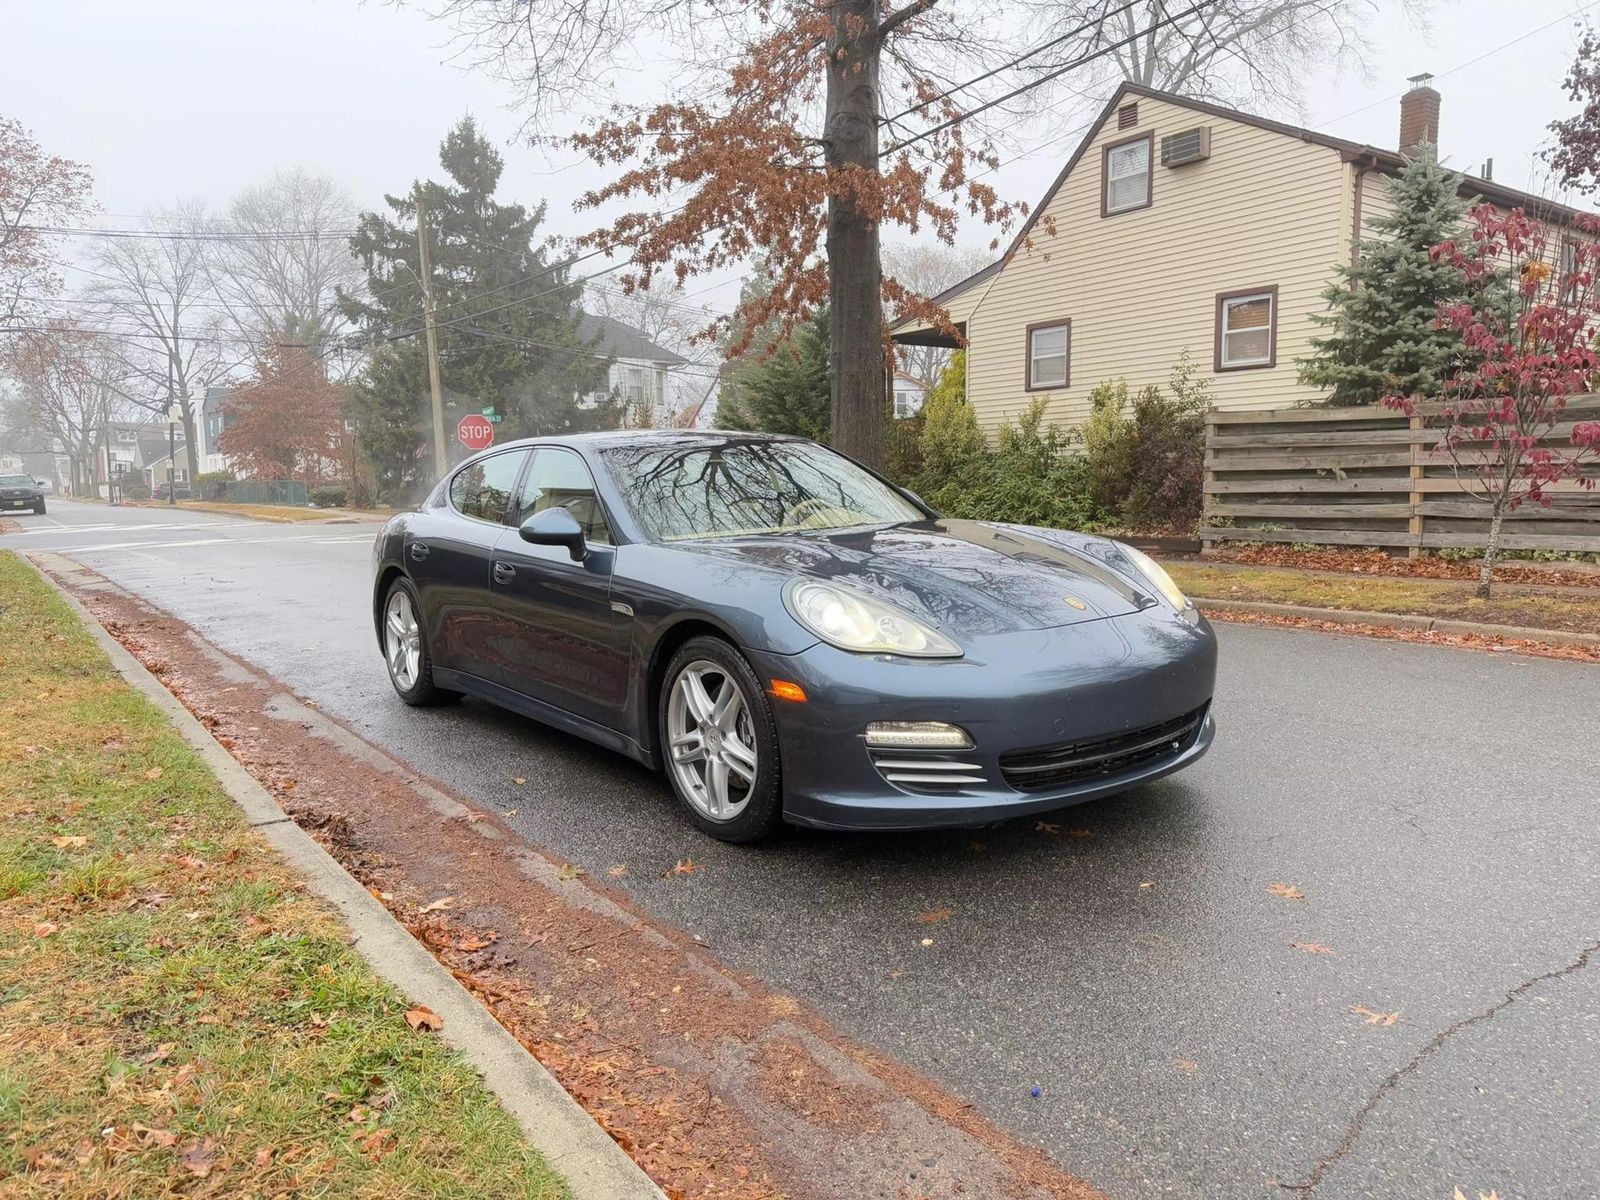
[439,905]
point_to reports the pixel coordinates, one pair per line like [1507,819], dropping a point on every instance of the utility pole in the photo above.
[441,457]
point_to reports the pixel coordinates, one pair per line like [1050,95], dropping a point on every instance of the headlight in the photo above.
[847,619]
[1156,574]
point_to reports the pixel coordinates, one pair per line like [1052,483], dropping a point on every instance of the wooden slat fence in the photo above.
[1371,477]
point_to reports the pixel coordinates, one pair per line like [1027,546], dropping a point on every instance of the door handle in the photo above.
[504,572]
[419,550]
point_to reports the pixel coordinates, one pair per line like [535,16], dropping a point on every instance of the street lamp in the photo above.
[174,415]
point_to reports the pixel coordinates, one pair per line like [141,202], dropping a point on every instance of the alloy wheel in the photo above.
[402,640]
[711,741]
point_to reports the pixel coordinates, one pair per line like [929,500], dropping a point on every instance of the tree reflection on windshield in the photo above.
[750,488]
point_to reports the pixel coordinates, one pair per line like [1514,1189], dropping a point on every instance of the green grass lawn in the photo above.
[1569,610]
[176,1013]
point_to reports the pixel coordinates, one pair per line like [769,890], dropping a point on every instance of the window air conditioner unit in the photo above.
[1192,145]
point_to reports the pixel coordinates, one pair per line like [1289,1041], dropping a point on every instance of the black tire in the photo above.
[39,508]
[762,813]
[421,693]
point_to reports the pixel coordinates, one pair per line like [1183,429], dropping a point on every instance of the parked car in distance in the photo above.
[181,491]
[790,636]
[21,491]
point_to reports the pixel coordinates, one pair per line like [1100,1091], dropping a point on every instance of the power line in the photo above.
[1043,79]
[1015,62]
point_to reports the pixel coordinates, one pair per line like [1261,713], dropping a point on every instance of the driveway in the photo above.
[1350,949]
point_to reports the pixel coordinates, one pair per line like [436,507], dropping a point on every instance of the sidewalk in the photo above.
[276,513]
[178,1009]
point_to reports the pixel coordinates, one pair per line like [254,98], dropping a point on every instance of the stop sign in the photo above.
[475,431]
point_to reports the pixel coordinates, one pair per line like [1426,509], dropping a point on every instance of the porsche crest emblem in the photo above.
[1076,603]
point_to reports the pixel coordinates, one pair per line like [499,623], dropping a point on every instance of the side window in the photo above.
[1247,329]
[483,490]
[1125,175]
[561,479]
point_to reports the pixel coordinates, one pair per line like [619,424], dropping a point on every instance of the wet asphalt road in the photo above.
[1439,810]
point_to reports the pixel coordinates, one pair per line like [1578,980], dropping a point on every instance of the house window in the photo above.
[1127,116]
[906,402]
[1247,329]
[1049,349]
[1568,282]
[1125,169]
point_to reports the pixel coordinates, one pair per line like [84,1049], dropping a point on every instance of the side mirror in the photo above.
[555,527]
[40,482]
[914,498]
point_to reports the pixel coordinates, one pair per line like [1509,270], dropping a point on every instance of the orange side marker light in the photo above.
[784,690]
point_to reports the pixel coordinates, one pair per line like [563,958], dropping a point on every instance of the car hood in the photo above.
[966,578]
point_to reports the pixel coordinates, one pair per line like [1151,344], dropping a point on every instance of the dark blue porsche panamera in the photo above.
[789,636]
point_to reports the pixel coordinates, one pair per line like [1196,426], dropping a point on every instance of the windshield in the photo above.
[750,488]
[16,481]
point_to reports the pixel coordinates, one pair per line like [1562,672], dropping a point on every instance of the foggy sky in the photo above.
[197,98]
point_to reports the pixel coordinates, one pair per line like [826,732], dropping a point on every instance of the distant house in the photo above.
[908,396]
[154,459]
[214,418]
[641,372]
[1180,226]
[122,447]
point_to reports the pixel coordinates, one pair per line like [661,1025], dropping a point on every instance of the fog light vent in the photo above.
[917,735]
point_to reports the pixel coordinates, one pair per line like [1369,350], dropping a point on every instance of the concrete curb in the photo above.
[1348,616]
[593,1166]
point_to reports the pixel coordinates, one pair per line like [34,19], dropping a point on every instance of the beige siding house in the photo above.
[1177,226]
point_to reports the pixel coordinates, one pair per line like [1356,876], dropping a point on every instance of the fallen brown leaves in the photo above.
[935,915]
[1426,637]
[199,1157]
[1311,947]
[439,905]
[1376,562]
[1287,890]
[423,1019]
[69,842]
[1374,1018]
[684,866]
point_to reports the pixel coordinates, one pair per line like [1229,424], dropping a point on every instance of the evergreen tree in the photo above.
[1383,337]
[787,392]
[507,313]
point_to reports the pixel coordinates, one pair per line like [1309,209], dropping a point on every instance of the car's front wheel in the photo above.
[405,648]
[719,742]
[39,508]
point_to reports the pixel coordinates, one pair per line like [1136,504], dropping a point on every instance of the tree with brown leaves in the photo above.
[287,420]
[38,192]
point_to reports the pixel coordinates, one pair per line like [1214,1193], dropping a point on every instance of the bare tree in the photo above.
[280,256]
[38,192]
[1236,52]
[159,305]
[68,386]
[928,268]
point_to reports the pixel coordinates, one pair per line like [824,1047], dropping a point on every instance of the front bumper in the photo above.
[1033,692]
[21,501]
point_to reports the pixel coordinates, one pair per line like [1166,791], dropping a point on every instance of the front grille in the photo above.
[1101,758]
[922,771]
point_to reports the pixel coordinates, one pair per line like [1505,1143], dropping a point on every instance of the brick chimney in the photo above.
[1419,114]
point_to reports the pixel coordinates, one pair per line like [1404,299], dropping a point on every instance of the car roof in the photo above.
[609,438]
